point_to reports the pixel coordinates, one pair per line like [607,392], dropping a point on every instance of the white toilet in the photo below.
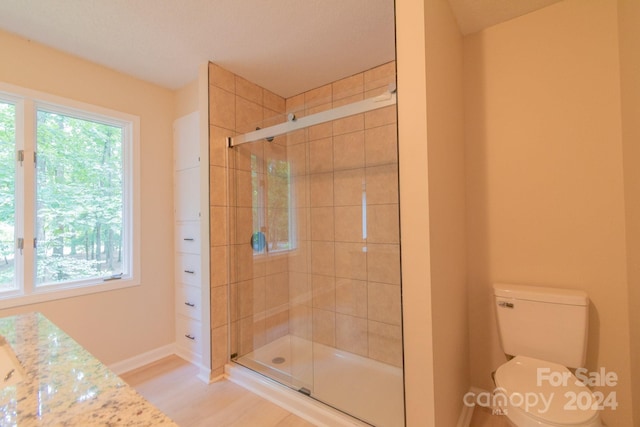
[545,331]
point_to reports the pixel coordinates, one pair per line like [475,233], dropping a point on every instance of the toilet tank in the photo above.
[545,323]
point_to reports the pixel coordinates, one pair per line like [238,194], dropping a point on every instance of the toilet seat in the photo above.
[520,378]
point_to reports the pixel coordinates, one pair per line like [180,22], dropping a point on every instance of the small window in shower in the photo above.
[272,212]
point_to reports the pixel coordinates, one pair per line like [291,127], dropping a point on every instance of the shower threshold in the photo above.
[364,388]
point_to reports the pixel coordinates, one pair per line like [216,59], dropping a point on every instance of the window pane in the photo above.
[279,205]
[257,204]
[79,202]
[7,195]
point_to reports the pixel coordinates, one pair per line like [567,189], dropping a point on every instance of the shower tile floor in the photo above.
[367,389]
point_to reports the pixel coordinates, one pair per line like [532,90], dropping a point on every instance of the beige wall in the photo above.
[545,200]
[432,182]
[187,99]
[119,324]
[414,201]
[445,139]
[629,21]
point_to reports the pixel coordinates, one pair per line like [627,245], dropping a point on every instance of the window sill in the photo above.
[274,254]
[44,295]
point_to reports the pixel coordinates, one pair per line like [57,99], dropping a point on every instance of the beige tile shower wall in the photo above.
[341,285]
[344,276]
[243,314]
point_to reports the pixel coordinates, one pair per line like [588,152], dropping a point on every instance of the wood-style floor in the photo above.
[171,385]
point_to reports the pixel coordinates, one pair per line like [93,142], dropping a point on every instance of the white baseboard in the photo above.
[311,410]
[143,359]
[477,391]
[208,379]
[189,355]
[204,373]
[467,411]
[465,416]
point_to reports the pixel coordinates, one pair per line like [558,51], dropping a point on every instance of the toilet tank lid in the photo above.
[541,294]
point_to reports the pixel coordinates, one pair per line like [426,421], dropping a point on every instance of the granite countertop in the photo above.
[64,385]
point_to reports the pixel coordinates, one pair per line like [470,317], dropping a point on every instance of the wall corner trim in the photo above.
[467,411]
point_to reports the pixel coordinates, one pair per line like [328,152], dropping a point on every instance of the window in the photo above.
[273,212]
[68,205]
[7,195]
[78,198]
[279,206]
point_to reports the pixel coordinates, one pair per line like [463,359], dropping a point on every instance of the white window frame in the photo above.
[27,103]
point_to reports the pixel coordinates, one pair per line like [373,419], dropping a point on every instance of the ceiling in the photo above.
[476,15]
[286,46]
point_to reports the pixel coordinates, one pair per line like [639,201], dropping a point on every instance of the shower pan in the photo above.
[315,251]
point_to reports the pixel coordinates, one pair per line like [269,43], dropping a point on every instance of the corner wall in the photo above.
[545,197]
[120,324]
[235,107]
[431,150]
[445,139]
[431,157]
[629,32]
[415,231]
[187,99]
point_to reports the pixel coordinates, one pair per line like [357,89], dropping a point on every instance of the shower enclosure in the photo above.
[314,249]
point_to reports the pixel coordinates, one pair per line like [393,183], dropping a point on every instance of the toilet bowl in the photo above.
[538,393]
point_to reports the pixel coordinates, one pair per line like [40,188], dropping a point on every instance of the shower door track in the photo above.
[293,123]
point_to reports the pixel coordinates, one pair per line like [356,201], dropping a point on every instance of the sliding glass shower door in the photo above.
[266,290]
[315,251]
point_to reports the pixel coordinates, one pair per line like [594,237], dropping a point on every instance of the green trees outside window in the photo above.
[279,207]
[79,199]
[272,207]
[7,195]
